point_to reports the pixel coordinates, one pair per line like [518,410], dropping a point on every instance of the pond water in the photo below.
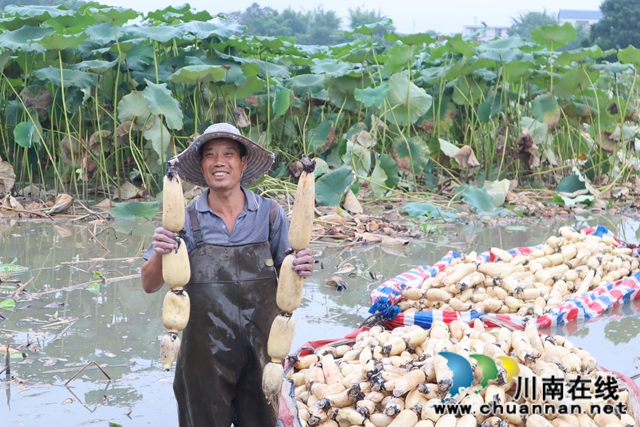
[75,318]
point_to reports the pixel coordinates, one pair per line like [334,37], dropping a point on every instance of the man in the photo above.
[236,241]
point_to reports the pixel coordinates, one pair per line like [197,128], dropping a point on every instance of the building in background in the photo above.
[579,17]
[489,33]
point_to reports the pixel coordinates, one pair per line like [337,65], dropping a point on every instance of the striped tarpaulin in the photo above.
[581,309]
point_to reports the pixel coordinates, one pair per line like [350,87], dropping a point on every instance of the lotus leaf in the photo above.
[22,38]
[331,186]
[390,168]
[133,210]
[112,15]
[411,39]
[372,95]
[198,73]
[400,56]
[331,67]
[304,84]
[162,103]
[159,136]
[57,41]
[554,36]
[630,55]
[71,24]
[161,34]
[358,158]
[407,101]
[23,134]
[546,110]
[133,106]
[379,181]
[411,154]
[429,210]
[75,78]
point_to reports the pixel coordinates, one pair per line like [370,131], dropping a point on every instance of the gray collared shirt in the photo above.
[252,226]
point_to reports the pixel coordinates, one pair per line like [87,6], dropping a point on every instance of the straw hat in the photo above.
[259,160]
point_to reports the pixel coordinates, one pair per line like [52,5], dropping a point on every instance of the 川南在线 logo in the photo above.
[463,373]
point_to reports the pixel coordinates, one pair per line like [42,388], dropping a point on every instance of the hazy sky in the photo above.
[446,16]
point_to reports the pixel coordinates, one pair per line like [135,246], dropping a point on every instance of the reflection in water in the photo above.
[117,325]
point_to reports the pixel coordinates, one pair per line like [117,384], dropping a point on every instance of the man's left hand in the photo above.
[303,263]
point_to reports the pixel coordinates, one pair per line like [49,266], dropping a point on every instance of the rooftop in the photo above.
[579,14]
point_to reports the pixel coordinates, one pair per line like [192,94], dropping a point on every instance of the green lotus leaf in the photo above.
[281,102]
[161,34]
[359,158]
[370,96]
[21,39]
[341,91]
[499,56]
[320,139]
[390,168]
[554,36]
[539,131]
[75,78]
[250,86]
[368,29]
[574,80]
[96,65]
[330,67]
[448,148]
[159,136]
[630,55]
[204,30]
[411,154]
[132,106]
[133,210]
[7,304]
[332,186]
[57,41]
[411,39]
[468,91]
[545,109]
[192,74]
[183,13]
[614,68]
[23,134]
[71,24]
[379,181]
[480,200]
[458,45]
[427,209]
[408,101]
[13,23]
[38,12]
[112,15]
[150,72]
[508,43]
[489,108]
[234,72]
[161,102]
[304,84]
[515,72]
[400,56]
[103,34]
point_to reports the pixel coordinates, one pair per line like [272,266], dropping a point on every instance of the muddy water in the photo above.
[87,306]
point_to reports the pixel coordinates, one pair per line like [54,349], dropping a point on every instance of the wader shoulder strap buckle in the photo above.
[195,225]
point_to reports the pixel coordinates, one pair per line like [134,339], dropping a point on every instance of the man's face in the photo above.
[221,164]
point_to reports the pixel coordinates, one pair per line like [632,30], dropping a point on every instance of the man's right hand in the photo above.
[164,241]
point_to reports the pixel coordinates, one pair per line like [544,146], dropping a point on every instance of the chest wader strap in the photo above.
[273,213]
[197,233]
[195,225]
